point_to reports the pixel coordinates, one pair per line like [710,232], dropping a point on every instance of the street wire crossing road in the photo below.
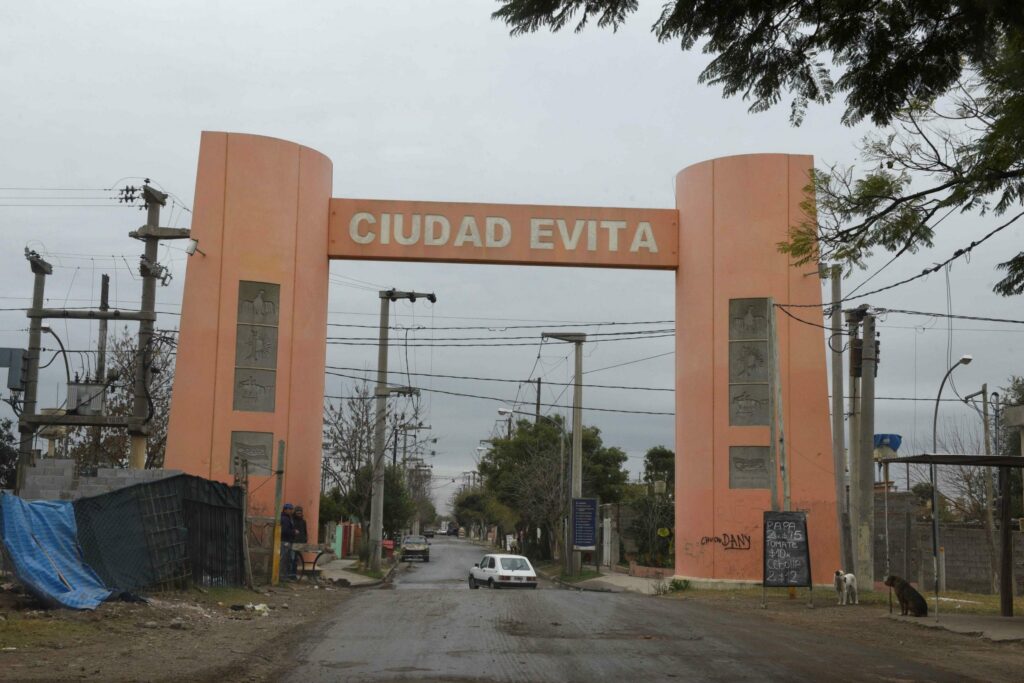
[431,627]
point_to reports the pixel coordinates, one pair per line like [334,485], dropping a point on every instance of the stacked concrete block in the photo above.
[55,480]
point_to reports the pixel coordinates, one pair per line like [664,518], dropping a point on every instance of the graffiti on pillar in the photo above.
[749,371]
[256,346]
[728,541]
[254,447]
[748,467]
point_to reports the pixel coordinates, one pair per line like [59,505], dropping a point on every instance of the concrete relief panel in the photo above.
[258,302]
[254,390]
[748,405]
[748,467]
[749,369]
[748,319]
[748,361]
[256,447]
[256,346]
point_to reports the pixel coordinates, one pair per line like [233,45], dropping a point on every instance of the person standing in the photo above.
[287,539]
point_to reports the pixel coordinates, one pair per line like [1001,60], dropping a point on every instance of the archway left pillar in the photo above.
[252,342]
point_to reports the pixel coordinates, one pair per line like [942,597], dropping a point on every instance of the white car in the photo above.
[503,571]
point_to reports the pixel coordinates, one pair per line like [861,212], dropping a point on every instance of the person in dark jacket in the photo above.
[299,521]
[287,538]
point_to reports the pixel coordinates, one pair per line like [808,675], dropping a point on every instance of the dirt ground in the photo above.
[869,625]
[187,636]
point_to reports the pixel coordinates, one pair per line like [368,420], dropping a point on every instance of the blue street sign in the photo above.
[584,523]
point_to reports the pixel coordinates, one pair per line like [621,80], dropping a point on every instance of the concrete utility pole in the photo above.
[576,471]
[835,343]
[853,319]
[989,492]
[864,525]
[381,393]
[536,418]
[26,430]
[776,419]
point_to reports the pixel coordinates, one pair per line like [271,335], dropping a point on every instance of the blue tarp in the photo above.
[41,540]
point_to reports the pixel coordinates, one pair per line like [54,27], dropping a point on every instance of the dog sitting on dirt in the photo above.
[846,588]
[911,602]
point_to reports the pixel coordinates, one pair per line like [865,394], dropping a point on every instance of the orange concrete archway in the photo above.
[252,347]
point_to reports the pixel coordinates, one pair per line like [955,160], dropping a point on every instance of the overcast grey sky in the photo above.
[433,101]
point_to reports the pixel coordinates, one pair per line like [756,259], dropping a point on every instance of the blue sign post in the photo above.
[584,523]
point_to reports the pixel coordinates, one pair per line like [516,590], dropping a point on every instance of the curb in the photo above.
[565,585]
[379,582]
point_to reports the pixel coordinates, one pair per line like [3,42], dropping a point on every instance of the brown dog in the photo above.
[910,600]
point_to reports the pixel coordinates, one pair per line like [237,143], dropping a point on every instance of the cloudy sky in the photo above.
[430,101]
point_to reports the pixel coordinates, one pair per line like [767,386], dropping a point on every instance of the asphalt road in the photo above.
[431,627]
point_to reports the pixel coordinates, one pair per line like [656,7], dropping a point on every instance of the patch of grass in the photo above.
[366,571]
[25,632]
[584,575]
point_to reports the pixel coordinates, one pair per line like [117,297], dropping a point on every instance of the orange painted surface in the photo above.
[503,233]
[260,214]
[733,212]
[263,213]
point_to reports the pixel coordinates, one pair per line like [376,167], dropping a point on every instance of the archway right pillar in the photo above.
[733,212]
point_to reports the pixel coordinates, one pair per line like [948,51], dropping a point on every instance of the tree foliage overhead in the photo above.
[947,77]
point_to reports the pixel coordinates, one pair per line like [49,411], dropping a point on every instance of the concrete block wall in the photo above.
[54,479]
[910,548]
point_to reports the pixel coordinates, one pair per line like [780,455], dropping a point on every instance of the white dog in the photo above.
[846,588]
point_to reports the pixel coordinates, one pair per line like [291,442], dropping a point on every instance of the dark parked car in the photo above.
[428,532]
[453,530]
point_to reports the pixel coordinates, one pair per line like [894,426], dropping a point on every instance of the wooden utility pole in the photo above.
[101,362]
[536,416]
[150,271]
[275,570]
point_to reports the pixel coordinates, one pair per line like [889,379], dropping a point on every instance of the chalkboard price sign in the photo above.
[787,557]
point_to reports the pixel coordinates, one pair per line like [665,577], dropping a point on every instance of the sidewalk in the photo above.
[612,582]
[337,570]
[995,628]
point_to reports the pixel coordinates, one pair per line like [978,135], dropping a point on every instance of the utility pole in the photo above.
[576,471]
[865,523]
[1005,532]
[853,319]
[777,423]
[536,418]
[26,430]
[989,493]
[381,392]
[835,344]
[150,271]
[101,360]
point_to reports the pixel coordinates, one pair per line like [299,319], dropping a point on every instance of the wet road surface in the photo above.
[431,627]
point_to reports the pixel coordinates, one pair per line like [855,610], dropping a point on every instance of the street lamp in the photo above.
[507,412]
[964,360]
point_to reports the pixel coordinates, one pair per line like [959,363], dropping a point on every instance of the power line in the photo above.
[661,332]
[501,379]
[429,345]
[963,251]
[505,400]
[498,328]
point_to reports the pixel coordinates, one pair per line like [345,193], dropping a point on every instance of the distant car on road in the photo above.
[453,531]
[503,571]
[428,532]
[415,546]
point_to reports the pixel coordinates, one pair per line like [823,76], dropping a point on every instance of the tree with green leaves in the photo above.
[354,501]
[946,77]
[8,453]
[660,464]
